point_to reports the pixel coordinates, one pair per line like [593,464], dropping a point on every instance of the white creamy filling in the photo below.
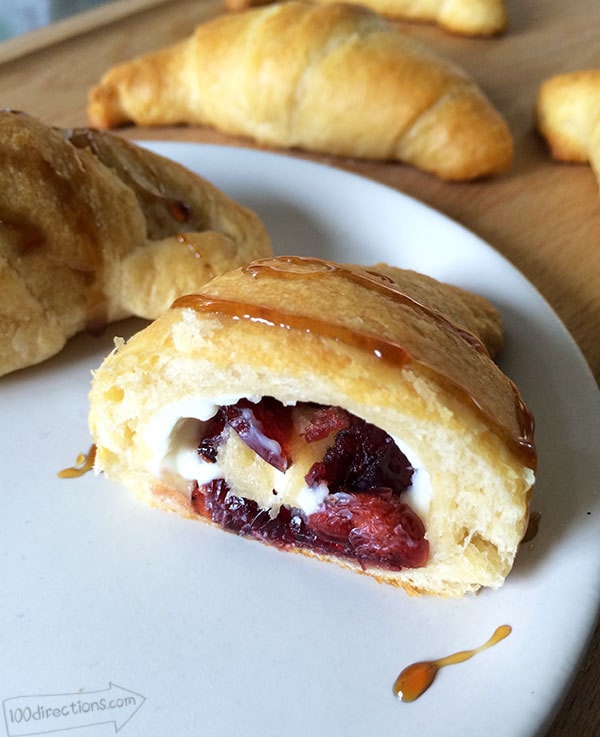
[172,436]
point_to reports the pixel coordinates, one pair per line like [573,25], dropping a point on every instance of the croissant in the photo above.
[568,116]
[467,17]
[336,78]
[352,414]
[94,229]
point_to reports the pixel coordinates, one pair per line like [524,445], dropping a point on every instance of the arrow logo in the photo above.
[29,715]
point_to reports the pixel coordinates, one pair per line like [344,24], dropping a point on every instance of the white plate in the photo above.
[113,612]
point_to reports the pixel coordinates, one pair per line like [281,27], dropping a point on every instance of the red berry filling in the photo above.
[264,427]
[324,421]
[363,517]
[362,458]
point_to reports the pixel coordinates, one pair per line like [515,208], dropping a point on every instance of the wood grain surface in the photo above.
[542,215]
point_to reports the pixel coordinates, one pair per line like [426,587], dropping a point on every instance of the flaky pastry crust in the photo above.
[302,330]
[94,228]
[337,79]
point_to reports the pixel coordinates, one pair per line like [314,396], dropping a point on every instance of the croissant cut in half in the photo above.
[347,413]
[94,229]
[337,79]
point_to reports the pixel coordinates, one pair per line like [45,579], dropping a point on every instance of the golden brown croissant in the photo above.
[94,229]
[568,116]
[467,17]
[347,413]
[337,79]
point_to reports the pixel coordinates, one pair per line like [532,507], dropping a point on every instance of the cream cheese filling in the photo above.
[173,433]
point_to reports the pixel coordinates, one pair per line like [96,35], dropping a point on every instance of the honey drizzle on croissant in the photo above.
[364,277]
[384,349]
[29,241]
[94,228]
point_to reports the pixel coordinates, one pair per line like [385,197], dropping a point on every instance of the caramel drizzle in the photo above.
[368,278]
[85,462]
[81,138]
[272,317]
[381,348]
[415,679]
[33,240]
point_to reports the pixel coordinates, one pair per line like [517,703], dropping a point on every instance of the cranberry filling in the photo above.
[264,427]
[324,421]
[363,517]
[363,457]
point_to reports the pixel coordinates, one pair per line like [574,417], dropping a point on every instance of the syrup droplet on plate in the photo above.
[415,679]
[85,463]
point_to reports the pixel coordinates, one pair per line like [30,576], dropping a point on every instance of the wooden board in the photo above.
[543,216]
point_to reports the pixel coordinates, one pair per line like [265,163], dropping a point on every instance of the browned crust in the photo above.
[480,481]
[336,78]
[94,229]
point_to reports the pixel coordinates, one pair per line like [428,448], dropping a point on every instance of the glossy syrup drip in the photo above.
[188,241]
[380,348]
[138,179]
[522,442]
[85,462]
[369,278]
[287,267]
[527,427]
[274,317]
[415,679]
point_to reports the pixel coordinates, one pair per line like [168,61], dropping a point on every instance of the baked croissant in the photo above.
[467,17]
[94,229]
[337,79]
[568,116]
[347,413]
